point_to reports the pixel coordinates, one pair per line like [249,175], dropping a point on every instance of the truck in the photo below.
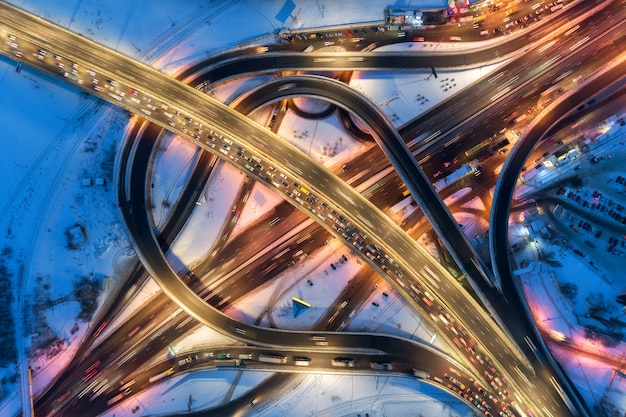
[220,363]
[272,358]
[161,375]
[184,361]
[420,374]
[401,205]
[519,119]
[381,366]
[349,362]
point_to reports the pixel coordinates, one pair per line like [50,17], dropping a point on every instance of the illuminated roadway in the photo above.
[145,79]
[187,304]
[361,212]
[234,121]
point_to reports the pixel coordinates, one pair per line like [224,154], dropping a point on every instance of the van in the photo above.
[301,361]
[484,32]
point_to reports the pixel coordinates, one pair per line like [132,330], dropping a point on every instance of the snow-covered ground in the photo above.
[60,143]
[569,278]
[306,394]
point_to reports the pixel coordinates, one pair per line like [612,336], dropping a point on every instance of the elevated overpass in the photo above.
[205,114]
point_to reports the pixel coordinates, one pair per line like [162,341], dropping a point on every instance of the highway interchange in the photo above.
[389,242]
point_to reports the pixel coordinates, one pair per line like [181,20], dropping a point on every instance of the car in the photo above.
[308,281]
[375,304]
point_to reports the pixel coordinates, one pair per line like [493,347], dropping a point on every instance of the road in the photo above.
[367,217]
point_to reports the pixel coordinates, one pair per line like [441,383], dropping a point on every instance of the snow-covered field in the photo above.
[58,165]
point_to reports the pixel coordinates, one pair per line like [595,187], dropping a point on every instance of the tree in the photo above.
[569,290]
[596,303]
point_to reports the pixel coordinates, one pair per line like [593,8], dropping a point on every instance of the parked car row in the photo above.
[598,202]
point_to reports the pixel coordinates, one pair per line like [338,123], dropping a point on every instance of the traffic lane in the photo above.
[303,85]
[190,300]
[233,66]
[376,342]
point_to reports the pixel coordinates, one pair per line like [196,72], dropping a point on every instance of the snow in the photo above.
[58,137]
[400,96]
[312,394]
[260,202]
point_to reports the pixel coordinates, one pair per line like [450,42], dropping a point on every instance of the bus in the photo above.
[476,148]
